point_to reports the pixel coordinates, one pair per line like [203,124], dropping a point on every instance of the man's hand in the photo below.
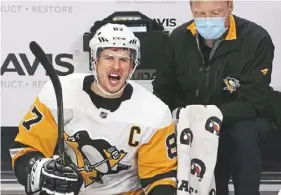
[48,176]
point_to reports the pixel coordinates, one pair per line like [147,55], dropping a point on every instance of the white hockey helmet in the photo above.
[114,36]
[117,36]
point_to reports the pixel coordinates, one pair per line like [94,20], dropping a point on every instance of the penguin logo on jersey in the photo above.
[198,168]
[213,125]
[186,137]
[95,158]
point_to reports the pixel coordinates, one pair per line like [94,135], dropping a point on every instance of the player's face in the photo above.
[113,68]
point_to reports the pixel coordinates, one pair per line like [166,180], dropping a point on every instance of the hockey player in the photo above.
[119,136]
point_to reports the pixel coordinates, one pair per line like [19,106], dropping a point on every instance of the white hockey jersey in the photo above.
[197,145]
[141,130]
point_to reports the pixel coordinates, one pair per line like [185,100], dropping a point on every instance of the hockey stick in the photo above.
[43,59]
[97,164]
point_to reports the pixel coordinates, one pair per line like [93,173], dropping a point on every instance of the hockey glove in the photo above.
[48,176]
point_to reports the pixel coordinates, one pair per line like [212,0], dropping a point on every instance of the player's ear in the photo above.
[95,63]
[132,67]
[230,3]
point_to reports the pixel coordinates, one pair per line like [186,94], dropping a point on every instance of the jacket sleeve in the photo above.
[37,134]
[21,163]
[165,82]
[157,159]
[253,94]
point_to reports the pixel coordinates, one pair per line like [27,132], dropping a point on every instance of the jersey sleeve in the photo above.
[37,132]
[157,157]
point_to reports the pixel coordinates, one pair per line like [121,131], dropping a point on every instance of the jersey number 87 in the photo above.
[171,144]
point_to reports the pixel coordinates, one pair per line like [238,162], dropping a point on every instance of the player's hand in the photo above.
[48,176]
[114,152]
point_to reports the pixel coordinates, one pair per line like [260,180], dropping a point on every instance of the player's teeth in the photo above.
[114,75]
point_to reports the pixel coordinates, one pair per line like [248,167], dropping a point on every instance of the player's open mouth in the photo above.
[114,77]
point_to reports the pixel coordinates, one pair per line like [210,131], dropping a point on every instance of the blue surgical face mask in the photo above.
[210,28]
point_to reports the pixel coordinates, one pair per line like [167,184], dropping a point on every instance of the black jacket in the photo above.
[242,58]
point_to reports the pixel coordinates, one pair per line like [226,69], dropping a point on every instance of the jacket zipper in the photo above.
[205,69]
[200,70]
[217,84]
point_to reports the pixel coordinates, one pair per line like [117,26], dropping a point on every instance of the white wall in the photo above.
[62,33]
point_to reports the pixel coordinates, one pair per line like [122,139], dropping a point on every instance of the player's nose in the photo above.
[116,63]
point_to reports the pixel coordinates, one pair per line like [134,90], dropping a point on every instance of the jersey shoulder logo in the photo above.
[186,137]
[213,125]
[198,168]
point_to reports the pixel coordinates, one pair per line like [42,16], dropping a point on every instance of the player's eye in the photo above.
[216,13]
[108,57]
[125,59]
[200,14]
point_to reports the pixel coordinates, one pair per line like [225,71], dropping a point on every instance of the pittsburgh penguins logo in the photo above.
[95,158]
[186,137]
[198,168]
[213,125]
[231,84]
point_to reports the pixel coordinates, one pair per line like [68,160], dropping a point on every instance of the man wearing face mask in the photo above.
[224,60]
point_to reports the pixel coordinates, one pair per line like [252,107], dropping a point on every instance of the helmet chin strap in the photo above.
[107,92]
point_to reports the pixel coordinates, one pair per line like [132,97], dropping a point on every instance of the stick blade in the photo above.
[41,56]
